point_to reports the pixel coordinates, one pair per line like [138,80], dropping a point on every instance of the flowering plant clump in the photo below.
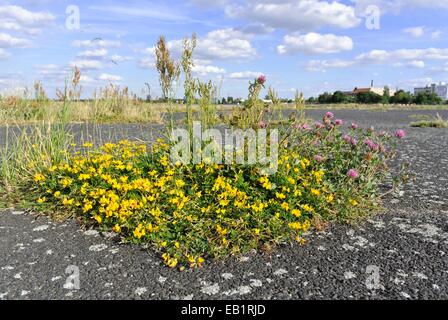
[190,212]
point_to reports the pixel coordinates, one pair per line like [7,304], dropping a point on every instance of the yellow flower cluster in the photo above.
[187,212]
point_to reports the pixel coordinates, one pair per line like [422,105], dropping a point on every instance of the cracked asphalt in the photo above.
[401,253]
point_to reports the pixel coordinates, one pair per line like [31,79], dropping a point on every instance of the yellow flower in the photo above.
[179,183]
[87,206]
[307,208]
[285,206]
[98,218]
[139,232]
[88,145]
[68,202]
[280,196]
[300,240]
[330,198]
[315,192]
[296,212]
[295,225]
[41,200]
[257,231]
[353,202]
[83,177]
[116,229]
[39,177]
[57,194]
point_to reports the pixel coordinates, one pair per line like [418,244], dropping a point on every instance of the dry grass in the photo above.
[431,122]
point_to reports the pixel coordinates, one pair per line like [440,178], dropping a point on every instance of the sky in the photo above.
[308,45]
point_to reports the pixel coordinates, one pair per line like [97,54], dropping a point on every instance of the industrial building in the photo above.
[440,90]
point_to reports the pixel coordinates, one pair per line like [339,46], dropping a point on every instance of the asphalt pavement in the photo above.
[401,253]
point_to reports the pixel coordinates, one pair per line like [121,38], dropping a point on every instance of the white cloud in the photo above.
[323,65]
[205,70]
[297,15]
[314,43]
[395,6]
[86,64]
[414,58]
[119,58]
[417,82]
[221,44]
[24,16]
[110,77]
[381,56]
[14,26]
[8,41]
[152,12]
[415,32]
[414,64]
[147,63]
[96,43]
[93,54]
[244,75]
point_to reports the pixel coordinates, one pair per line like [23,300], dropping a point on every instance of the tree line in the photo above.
[400,97]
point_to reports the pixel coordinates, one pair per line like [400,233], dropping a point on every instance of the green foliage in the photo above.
[368,97]
[427,99]
[401,97]
[190,212]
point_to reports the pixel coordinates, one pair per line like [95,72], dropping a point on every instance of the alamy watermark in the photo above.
[234,146]
[373,17]
[72,282]
[73,19]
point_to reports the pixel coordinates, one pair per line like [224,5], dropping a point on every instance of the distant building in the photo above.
[376,90]
[441,90]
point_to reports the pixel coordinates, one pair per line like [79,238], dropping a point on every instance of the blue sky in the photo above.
[309,45]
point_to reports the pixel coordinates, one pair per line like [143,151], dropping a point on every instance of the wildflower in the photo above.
[83,177]
[261,79]
[116,228]
[329,115]
[180,183]
[339,122]
[352,173]
[400,134]
[280,195]
[330,198]
[307,208]
[318,158]
[306,127]
[87,206]
[354,126]
[347,138]
[354,142]
[372,145]
[285,206]
[300,240]
[88,145]
[319,125]
[262,124]
[68,202]
[57,194]
[39,177]
[41,200]
[353,202]
[98,219]
[296,212]
[295,225]
[139,232]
